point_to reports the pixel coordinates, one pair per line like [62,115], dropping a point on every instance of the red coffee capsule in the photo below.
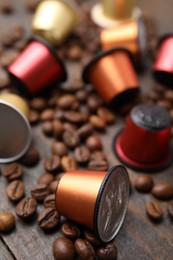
[144,144]
[37,67]
[163,66]
[113,75]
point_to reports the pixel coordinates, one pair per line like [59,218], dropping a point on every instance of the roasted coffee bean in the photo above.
[47,115]
[48,219]
[34,117]
[59,149]
[82,95]
[59,114]
[53,186]
[162,191]
[97,122]
[7,222]
[144,183]
[47,128]
[75,117]
[170,209]
[98,165]
[69,126]
[40,191]
[82,154]
[6,6]
[4,79]
[15,190]
[85,130]
[26,208]
[13,171]
[74,52]
[94,102]
[70,230]
[98,155]
[59,176]
[154,210]
[71,139]
[63,248]
[106,115]
[31,158]
[165,104]
[68,163]
[168,94]
[154,96]
[93,142]
[38,104]
[46,178]
[52,164]
[65,102]
[107,252]
[91,238]
[49,201]
[58,128]
[84,249]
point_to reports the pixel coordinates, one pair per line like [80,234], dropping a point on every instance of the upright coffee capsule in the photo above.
[15,131]
[36,68]
[144,144]
[54,20]
[163,66]
[131,35]
[113,75]
[109,13]
[97,200]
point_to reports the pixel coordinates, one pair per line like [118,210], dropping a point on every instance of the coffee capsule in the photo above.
[97,200]
[36,68]
[109,13]
[113,75]
[54,20]
[144,144]
[131,35]
[163,65]
[15,130]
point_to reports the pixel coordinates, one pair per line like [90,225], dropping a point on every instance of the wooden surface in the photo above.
[139,238]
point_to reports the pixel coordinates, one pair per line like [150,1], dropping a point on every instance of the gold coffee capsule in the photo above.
[54,20]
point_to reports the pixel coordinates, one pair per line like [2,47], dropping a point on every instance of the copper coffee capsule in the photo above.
[113,75]
[54,20]
[97,200]
[163,66]
[144,144]
[131,35]
[37,67]
[109,13]
[15,130]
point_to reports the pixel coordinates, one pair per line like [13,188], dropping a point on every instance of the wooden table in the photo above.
[139,238]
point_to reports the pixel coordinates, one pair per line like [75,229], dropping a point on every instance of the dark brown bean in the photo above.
[82,95]
[52,164]
[82,154]
[76,117]
[154,210]
[7,222]
[26,208]
[47,128]
[84,249]
[38,104]
[170,209]
[107,252]
[154,96]
[53,186]
[49,201]
[15,190]
[65,102]
[85,130]
[144,183]
[165,104]
[162,191]
[40,191]
[47,115]
[13,171]
[46,178]
[93,142]
[106,115]
[97,122]
[94,102]
[63,248]
[98,165]
[59,149]
[31,158]
[34,117]
[74,52]
[70,230]
[168,94]
[98,155]
[59,114]
[91,238]
[68,163]
[69,126]
[48,219]
[71,139]
[58,128]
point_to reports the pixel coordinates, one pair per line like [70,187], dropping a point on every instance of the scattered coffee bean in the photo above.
[107,252]
[46,178]
[47,115]
[170,209]
[68,163]
[82,154]
[93,142]
[34,117]
[71,139]
[144,183]
[94,102]
[59,149]
[15,190]
[70,230]
[82,95]
[40,191]
[97,122]
[74,52]
[31,158]
[65,102]
[48,219]
[53,186]
[58,128]
[13,171]
[52,164]
[91,238]
[85,130]
[38,104]
[47,128]
[154,210]
[26,208]
[69,126]
[49,201]
[59,114]
[84,249]
[59,176]
[162,191]
[76,117]
[7,222]
[154,96]
[98,165]
[63,248]
[106,115]
[98,155]
[165,104]
[168,94]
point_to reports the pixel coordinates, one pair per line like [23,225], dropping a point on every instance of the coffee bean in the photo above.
[40,191]
[106,115]
[93,142]
[63,248]
[53,186]
[144,183]
[47,115]
[70,230]
[46,178]
[13,171]
[107,252]
[84,249]
[58,128]
[59,114]
[98,155]
[49,201]
[52,164]
[91,238]
[154,210]
[94,102]
[71,139]
[59,176]
[6,6]
[168,94]
[48,219]
[97,122]
[68,163]
[74,52]
[162,191]
[34,117]
[154,96]
[69,126]
[7,57]
[31,158]
[47,128]
[66,102]
[165,104]
[76,117]
[82,154]
[7,222]
[170,209]
[59,149]
[82,95]
[26,208]
[98,165]
[4,79]
[85,130]
[38,104]
[15,190]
